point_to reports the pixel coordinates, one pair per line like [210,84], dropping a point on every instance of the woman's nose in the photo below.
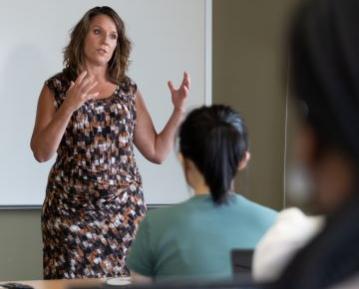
[106,38]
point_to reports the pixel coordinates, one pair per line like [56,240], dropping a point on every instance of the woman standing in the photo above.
[92,115]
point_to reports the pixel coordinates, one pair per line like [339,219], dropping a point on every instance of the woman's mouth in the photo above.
[101,51]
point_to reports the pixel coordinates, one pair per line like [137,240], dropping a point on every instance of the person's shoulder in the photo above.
[156,219]
[155,214]
[169,213]
[59,81]
[54,80]
[128,85]
[295,219]
[255,208]
[162,213]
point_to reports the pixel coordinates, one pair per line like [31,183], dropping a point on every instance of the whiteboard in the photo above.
[169,36]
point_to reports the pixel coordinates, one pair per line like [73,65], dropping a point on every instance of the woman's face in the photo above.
[100,41]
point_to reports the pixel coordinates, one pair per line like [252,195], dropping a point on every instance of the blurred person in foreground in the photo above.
[325,81]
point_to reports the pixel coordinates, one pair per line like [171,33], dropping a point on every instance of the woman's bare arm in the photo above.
[156,146]
[50,124]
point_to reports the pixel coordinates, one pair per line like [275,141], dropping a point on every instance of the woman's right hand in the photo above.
[50,124]
[80,91]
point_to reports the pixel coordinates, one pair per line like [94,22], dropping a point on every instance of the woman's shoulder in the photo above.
[168,213]
[59,81]
[294,221]
[255,207]
[128,85]
[157,214]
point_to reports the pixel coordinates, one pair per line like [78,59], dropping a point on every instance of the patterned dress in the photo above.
[94,200]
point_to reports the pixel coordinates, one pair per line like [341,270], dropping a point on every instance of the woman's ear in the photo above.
[244,162]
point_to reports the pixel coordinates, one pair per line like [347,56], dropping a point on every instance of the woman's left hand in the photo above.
[180,95]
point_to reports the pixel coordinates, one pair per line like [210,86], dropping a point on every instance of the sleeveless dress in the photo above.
[94,199]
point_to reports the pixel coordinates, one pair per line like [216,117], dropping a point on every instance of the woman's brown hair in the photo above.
[74,52]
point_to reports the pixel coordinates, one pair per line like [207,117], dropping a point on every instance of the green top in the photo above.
[194,238]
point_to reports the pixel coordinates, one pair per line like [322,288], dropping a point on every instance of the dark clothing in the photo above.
[325,76]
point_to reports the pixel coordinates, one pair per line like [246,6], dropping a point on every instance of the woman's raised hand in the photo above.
[80,91]
[180,95]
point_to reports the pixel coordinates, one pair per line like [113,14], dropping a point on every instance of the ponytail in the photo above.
[215,139]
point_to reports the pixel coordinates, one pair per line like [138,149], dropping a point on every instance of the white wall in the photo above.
[169,36]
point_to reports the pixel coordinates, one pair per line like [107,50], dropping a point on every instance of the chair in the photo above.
[241,261]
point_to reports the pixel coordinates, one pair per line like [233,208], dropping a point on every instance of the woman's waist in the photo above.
[78,203]
[105,178]
[75,193]
[97,167]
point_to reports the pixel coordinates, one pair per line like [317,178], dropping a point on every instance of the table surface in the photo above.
[62,284]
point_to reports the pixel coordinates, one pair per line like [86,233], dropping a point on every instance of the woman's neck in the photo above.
[201,190]
[98,72]
[194,178]
[198,184]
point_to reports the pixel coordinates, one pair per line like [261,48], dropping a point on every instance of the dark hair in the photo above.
[325,71]
[74,52]
[325,74]
[215,139]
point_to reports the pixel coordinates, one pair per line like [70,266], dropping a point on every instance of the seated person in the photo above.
[194,239]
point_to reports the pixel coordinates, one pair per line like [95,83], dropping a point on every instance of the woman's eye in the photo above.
[113,36]
[96,31]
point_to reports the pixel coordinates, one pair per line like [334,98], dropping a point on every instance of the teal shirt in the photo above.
[195,238]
